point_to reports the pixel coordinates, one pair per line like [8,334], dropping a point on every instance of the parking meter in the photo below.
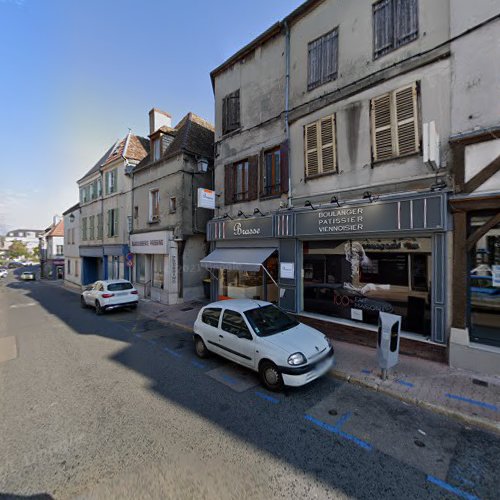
[389,328]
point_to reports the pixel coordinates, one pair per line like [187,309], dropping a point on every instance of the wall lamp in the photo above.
[72,218]
[241,213]
[439,186]
[227,216]
[257,211]
[337,201]
[309,204]
[370,196]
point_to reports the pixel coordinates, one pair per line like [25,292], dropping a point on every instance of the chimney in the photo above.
[56,219]
[157,119]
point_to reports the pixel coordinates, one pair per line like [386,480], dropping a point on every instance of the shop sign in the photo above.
[206,198]
[287,270]
[149,243]
[240,229]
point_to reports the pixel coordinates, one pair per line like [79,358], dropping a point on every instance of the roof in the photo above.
[192,135]
[274,30]
[131,147]
[72,209]
[239,305]
[25,231]
[57,230]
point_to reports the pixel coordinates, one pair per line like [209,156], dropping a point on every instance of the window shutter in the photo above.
[314,64]
[383,27]
[311,142]
[284,169]
[381,127]
[224,115]
[406,21]
[228,184]
[328,149]
[253,177]
[116,222]
[406,120]
[109,222]
[262,174]
[329,56]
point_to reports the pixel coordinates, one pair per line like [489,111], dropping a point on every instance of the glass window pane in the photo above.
[158,271]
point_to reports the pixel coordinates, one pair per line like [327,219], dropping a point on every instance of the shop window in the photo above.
[484,282]
[211,316]
[358,279]
[158,271]
[140,268]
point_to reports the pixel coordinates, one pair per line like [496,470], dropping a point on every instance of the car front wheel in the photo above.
[270,376]
[200,347]
[98,308]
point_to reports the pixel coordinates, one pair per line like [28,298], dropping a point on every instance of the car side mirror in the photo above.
[245,335]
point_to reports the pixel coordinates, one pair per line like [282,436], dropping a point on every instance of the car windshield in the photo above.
[269,320]
[115,287]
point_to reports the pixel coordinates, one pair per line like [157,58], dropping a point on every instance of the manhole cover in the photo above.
[187,309]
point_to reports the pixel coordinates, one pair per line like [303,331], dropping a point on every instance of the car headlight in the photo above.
[297,359]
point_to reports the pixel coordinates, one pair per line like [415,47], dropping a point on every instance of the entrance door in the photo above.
[60,272]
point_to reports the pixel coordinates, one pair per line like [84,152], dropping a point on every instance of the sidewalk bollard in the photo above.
[389,328]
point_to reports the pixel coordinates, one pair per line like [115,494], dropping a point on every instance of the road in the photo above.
[119,406]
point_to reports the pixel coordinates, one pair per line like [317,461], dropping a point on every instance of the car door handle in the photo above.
[221,336]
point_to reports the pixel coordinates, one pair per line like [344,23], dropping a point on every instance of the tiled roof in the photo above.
[57,230]
[193,135]
[100,163]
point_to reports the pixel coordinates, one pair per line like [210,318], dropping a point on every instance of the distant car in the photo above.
[28,276]
[3,273]
[262,337]
[110,294]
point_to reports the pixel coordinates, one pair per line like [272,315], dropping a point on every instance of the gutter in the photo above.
[287,105]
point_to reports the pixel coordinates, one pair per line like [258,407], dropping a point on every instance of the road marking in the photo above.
[473,402]
[343,419]
[340,433]
[403,382]
[229,379]
[197,364]
[271,399]
[172,352]
[368,372]
[17,306]
[452,489]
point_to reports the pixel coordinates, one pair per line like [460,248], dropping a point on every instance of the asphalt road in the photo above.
[119,406]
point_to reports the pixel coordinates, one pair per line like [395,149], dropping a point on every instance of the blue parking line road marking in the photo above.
[343,419]
[403,382]
[229,379]
[368,372]
[340,433]
[271,399]
[452,489]
[197,364]
[473,402]
[173,353]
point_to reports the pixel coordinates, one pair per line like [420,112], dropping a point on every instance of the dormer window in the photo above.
[157,148]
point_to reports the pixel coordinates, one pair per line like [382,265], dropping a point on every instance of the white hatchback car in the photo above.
[262,337]
[110,294]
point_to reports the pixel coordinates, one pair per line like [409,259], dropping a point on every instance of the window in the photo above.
[91,227]
[59,250]
[110,180]
[76,268]
[119,287]
[156,149]
[211,316]
[154,205]
[84,228]
[233,322]
[99,226]
[322,60]
[158,271]
[269,320]
[114,267]
[172,205]
[99,187]
[136,212]
[394,124]
[321,147]
[395,23]
[140,268]
[73,235]
[69,266]
[231,112]
[241,180]
[271,173]
[113,222]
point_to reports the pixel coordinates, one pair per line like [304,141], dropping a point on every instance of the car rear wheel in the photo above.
[83,303]
[270,376]
[200,347]
[98,308]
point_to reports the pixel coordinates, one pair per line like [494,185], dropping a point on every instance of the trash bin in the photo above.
[389,328]
[206,288]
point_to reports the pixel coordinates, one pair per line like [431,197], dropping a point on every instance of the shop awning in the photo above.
[238,259]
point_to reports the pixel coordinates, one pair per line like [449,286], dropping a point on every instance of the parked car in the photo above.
[28,276]
[262,337]
[3,273]
[14,265]
[110,294]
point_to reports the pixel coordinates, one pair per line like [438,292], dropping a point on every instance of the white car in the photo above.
[110,294]
[262,337]
[28,276]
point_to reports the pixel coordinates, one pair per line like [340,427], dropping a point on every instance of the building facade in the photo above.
[168,237]
[30,237]
[73,272]
[52,251]
[105,210]
[341,213]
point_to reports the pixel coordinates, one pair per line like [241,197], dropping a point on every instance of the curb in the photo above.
[455,414]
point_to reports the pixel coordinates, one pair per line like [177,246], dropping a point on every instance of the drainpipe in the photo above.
[287,106]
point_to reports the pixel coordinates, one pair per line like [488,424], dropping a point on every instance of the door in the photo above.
[210,319]
[89,295]
[236,340]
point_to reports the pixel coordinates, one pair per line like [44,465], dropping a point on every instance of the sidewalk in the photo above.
[471,398]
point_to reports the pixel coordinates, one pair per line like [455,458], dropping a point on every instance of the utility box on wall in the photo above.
[389,329]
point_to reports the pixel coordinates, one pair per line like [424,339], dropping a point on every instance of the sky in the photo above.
[77,74]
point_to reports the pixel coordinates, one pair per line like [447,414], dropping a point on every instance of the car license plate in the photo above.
[121,293]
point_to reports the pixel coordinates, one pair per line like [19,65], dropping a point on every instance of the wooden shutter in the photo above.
[224,115]
[284,168]
[228,184]
[109,222]
[383,27]
[329,54]
[116,222]
[381,127]
[314,63]
[406,17]
[262,171]
[328,149]
[253,177]
[407,138]
[311,149]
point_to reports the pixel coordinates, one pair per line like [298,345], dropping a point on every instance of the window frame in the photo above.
[275,189]
[212,309]
[172,204]
[154,205]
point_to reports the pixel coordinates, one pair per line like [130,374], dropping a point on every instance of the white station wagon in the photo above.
[260,336]
[110,294]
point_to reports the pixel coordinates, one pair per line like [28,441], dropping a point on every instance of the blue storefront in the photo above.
[104,262]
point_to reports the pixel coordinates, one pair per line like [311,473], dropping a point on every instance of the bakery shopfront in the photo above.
[343,264]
